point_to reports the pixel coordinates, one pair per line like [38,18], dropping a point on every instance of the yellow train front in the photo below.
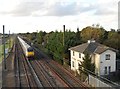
[30,52]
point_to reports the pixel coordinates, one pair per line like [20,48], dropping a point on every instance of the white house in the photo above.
[104,57]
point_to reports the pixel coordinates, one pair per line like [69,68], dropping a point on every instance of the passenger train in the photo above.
[28,50]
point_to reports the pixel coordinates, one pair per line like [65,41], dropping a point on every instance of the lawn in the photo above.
[1,51]
[7,47]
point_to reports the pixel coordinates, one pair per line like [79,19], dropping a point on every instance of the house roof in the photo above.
[100,50]
[91,47]
[80,48]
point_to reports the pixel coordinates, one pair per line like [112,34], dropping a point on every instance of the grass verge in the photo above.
[7,47]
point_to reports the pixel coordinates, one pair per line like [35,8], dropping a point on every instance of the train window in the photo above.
[30,49]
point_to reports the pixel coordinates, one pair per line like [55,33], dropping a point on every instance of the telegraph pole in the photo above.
[63,44]
[9,40]
[4,48]
[63,35]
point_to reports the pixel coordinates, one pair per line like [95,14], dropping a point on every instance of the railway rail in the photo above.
[25,76]
[17,68]
[42,72]
[67,72]
[33,79]
[65,76]
[53,77]
[45,82]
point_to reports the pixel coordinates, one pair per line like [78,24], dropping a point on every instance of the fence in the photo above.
[98,81]
[95,82]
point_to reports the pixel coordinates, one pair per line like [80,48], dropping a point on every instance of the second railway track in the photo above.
[66,77]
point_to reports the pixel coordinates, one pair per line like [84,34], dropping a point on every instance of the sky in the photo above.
[21,16]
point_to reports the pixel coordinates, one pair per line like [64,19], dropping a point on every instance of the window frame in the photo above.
[105,70]
[109,69]
[79,55]
[73,53]
[107,57]
[73,65]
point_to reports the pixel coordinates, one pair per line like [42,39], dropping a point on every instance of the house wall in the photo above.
[76,60]
[99,59]
[97,63]
[107,63]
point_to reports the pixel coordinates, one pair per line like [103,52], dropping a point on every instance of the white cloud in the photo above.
[61,8]
[30,15]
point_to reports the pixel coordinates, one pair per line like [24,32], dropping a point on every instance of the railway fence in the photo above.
[96,80]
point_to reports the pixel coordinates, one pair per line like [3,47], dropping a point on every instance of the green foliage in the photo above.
[87,63]
[92,32]
[54,44]
[113,40]
[40,37]
[53,41]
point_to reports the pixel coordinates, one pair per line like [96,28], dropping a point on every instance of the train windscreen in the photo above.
[30,49]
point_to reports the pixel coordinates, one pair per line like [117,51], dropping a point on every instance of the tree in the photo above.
[113,40]
[40,37]
[87,63]
[92,32]
[78,37]
[54,44]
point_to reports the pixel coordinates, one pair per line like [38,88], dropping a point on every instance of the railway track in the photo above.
[70,73]
[53,77]
[45,73]
[65,76]
[42,76]
[17,69]
[25,75]
[55,73]
[39,73]
[29,77]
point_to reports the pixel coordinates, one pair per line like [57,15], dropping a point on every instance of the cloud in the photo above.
[59,9]
[25,9]
[105,7]
[105,11]
[49,9]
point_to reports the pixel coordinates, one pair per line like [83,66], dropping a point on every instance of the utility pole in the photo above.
[63,44]
[63,35]
[9,39]
[4,48]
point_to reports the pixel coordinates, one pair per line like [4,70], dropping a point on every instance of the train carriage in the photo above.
[28,50]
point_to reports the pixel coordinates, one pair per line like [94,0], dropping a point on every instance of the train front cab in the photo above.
[30,53]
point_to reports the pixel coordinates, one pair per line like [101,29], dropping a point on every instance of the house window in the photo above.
[79,55]
[107,56]
[73,53]
[105,70]
[72,63]
[109,69]
[79,66]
